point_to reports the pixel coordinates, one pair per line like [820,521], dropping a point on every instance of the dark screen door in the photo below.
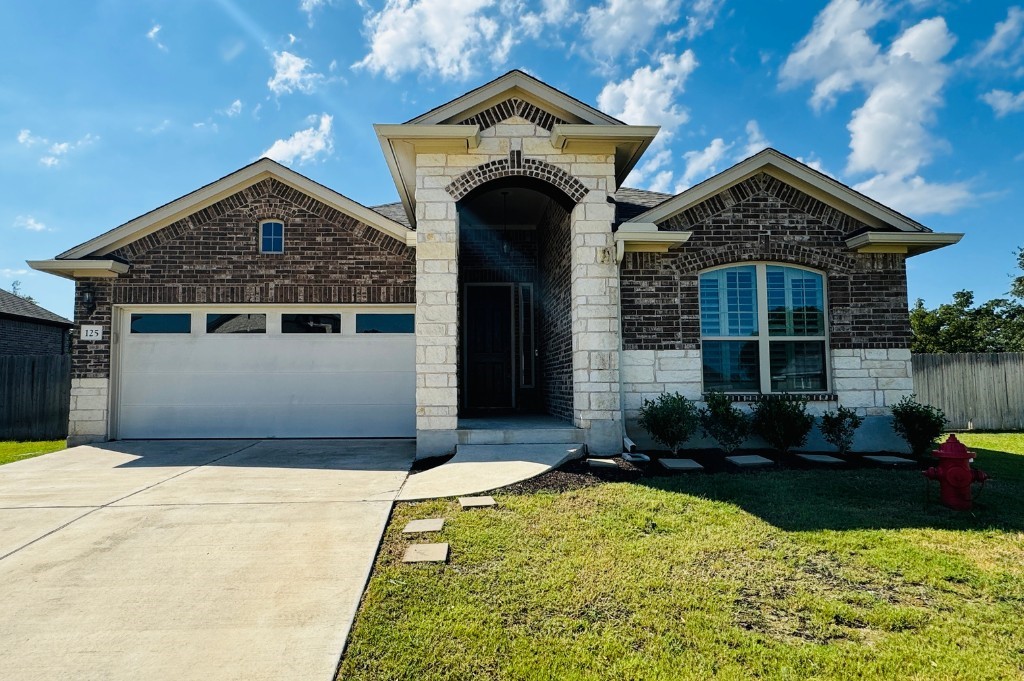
[488,347]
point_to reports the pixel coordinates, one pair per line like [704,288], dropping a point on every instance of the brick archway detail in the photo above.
[516,165]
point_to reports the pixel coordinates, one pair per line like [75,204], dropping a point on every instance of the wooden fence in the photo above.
[982,390]
[35,396]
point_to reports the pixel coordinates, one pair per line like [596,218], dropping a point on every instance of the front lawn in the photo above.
[16,451]
[781,575]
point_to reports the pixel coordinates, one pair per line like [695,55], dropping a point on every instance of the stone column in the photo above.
[595,314]
[437,328]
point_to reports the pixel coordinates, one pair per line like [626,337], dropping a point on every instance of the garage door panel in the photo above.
[266,385]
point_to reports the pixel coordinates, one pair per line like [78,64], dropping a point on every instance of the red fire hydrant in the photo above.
[955,474]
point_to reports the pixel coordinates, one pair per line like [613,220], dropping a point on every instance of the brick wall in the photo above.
[23,337]
[213,256]
[554,313]
[764,219]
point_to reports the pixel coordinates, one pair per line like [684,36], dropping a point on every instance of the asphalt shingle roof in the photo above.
[13,306]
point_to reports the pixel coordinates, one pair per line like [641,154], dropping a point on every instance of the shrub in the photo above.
[919,424]
[782,421]
[722,421]
[671,419]
[838,427]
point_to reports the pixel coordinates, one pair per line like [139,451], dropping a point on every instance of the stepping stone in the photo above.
[426,525]
[680,464]
[891,460]
[476,502]
[426,553]
[749,461]
[601,463]
[820,458]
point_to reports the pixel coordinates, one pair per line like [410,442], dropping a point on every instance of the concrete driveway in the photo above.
[190,559]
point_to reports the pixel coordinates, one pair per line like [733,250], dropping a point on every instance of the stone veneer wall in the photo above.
[517,147]
[554,313]
[213,256]
[764,219]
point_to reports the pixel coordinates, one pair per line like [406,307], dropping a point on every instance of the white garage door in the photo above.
[215,372]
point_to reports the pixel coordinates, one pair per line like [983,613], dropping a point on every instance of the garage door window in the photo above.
[311,323]
[236,323]
[385,323]
[161,323]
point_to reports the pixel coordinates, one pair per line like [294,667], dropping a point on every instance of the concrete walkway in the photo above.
[179,560]
[481,468]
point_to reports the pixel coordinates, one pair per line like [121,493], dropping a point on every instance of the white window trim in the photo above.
[260,235]
[763,338]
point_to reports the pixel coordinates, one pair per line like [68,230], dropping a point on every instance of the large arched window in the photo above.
[763,329]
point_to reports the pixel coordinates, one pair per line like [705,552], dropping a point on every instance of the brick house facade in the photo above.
[27,329]
[537,284]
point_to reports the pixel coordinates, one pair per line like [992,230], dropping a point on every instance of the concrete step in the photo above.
[511,436]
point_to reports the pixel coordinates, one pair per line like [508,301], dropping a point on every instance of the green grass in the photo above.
[16,451]
[779,575]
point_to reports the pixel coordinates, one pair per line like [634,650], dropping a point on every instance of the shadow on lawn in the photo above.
[803,500]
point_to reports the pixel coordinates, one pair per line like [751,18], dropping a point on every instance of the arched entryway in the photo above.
[515,345]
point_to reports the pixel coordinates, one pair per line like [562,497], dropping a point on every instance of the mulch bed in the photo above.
[578,475]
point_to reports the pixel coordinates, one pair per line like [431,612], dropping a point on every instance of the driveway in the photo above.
[190,559]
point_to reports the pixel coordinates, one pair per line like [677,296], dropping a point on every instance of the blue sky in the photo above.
[113,108]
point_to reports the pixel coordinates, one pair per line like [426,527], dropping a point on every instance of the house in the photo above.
[516,276]
[27,329]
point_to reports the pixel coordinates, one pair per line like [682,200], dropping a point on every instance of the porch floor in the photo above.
[514,421]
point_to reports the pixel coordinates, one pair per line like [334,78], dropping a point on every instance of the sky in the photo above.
[112,108]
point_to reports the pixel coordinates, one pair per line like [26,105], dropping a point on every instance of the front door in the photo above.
[488,347]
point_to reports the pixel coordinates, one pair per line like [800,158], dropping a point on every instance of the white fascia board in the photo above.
[902,242]
[80,269]
[646,237]
[792,172]
[515,84]
[221,189]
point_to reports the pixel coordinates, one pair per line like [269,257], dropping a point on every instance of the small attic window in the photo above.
[271,236]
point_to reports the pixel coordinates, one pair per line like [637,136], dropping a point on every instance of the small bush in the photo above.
[782,421]
[919,424]
[671,419]
[838,427]
[725,423]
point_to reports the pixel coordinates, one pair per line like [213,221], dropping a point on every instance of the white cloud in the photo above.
[55,152]
[1005,48]
[552,13]
[889,132]
[703,163]
[838,52]
[626,26]
[1004,102]
[8,273]
[701,17]
[756,141]
[648,96]
[233,109]
[304,145]
[29,223]
[154,37]
[653,167]
[311,6]
[291,74]
[446,37]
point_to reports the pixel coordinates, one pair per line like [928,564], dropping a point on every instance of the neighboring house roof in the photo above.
[521,85]
[15,306]
[93,250]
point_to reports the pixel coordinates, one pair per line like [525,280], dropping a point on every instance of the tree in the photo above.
[960,326]
[1017,287]
[16,290]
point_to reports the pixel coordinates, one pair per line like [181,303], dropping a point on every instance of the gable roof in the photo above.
[515,83]
[15,306]
[808,180]
[226,186]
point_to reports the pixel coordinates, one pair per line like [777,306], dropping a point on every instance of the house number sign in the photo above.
[92,333]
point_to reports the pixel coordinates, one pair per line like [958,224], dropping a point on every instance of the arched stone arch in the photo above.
[763,250]
[517,166]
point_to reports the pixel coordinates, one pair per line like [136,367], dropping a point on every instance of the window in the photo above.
[311,323]
[236,323]
[161,323]
[763,329]
[385,323]
[272,237]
